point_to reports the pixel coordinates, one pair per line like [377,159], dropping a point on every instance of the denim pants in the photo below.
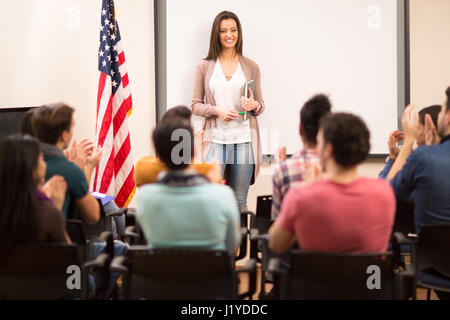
[239,158]
[120,249]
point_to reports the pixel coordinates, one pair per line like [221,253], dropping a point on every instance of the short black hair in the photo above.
[433,111]
[349,136]
[170,134]
[178,111]
[447,92]
[310,114]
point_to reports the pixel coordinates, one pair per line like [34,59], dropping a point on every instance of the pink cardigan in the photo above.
[203,104]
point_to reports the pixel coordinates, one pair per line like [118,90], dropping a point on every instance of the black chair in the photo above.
[92,231]
[180,274]
[431,258]
[101,264]
[40,272]
[404,218]
[259,227]
[260,223]
[134,235]
[323,276]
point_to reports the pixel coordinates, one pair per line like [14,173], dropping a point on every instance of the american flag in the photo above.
[114,174]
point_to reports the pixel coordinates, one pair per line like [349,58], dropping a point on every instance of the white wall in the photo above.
[49,54]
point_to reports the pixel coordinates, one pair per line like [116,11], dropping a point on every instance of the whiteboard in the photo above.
[351,50]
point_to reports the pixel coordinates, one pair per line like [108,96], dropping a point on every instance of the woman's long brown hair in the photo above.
[215,48]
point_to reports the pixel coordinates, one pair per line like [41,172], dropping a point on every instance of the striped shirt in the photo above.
[289,173]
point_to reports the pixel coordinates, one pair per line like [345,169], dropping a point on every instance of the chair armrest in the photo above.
[400,239]
[243,245]
[117,213]
[105,236]
[274,266]
[130,232]
[99,262]
[250,268]
[119,264]
[255,236]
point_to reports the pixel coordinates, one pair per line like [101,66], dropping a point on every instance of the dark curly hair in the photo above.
[310,114]
[349,136]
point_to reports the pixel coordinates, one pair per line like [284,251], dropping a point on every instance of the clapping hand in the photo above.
[93,159]
[394,138]
[431,135]
[55,189]
[79,152]
[410,124]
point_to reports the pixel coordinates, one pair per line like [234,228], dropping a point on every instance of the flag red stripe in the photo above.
[124,192]
[108,174]
[122,155]
[121,58]
[125,80]
[121,114]
[106,123]
[101,87]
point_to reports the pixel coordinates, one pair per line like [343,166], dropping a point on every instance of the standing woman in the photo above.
[219,98]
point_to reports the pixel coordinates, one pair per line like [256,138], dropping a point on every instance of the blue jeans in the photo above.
[118,223]
[239,158]
[120,249]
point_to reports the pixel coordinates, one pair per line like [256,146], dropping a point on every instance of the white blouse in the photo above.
[228,94]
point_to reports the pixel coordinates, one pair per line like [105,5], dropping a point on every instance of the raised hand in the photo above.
[282,154]
[431,134]
[394,138]
[93,159]
[410,124]
[55,189]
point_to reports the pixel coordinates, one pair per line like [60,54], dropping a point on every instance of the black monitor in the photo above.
[11,120]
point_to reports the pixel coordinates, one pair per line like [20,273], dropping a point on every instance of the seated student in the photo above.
[26,215]
[183,209]
[289,172]
[342,212]
[148,168]
[54,126]
[397,136]
[423,175]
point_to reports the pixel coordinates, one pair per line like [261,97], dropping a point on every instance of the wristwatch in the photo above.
[388,158]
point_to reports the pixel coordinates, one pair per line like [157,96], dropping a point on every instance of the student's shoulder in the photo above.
[376,186]
[219,191]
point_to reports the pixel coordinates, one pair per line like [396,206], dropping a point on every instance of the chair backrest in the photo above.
[322,276]
[75,229]
[433,248]
[92,231]
[179,274]
[264,206]
[404,218]
[40,271]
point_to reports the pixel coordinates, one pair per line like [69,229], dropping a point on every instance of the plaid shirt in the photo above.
[289,173]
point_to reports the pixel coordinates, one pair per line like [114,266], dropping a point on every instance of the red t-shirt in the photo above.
[333,217]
